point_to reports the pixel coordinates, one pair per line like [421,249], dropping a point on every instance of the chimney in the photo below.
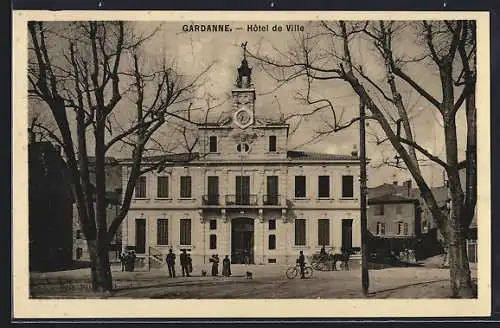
[408,184]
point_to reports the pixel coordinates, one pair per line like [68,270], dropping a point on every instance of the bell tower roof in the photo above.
[244,78]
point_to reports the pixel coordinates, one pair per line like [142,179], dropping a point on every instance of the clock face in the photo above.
[243,117]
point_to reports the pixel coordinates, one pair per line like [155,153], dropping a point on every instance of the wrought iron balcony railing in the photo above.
[271,200]
[210,200]
[248,200]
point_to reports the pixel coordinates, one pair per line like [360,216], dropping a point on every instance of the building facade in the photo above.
[393,216]
[50,208]
[244,192]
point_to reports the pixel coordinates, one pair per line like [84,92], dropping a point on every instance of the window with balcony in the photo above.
[243,196]
[300,186]
[140,188]
[185,187]
[185,232]
[324,186]
[272,241]
[323,232]
[212,197]
[213,144]
[213,241]
[271,198]
[162,187]
[162,232]
[272,144]
[300,232]
[347,186]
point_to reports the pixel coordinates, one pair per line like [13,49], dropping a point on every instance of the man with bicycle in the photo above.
[302,264]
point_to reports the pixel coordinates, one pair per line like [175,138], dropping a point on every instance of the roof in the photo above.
[303,155]
[387,189]
[391,199]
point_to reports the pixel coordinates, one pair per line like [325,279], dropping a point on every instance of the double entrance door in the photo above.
[242,241]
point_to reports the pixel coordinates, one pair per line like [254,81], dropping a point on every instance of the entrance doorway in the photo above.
[347,234]
[242,241]
[140,236]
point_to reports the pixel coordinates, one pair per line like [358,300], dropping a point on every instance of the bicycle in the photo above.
[293,271]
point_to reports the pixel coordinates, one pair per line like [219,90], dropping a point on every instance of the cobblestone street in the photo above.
[268,282]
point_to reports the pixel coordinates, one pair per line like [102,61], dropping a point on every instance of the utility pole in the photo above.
[364,230]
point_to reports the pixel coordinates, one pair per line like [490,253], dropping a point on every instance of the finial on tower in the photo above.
[244,79]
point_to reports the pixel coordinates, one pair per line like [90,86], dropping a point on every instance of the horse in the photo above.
[342,257]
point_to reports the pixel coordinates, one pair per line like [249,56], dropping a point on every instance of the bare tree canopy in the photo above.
[397,52]
[84,73]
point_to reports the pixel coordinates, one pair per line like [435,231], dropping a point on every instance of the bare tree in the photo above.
[83,72]
[325,52]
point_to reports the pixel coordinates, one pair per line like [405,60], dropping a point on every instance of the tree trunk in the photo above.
[460,278]
[99,266]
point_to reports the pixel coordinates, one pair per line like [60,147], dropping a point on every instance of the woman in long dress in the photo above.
[226,267]
[215,265]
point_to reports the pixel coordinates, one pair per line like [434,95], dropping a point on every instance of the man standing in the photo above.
[184,263]
[171,263]
[302,264]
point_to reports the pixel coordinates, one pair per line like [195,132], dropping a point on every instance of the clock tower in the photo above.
[243,94]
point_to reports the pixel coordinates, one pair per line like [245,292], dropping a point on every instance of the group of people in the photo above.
[127,259]
[186,263]
[226,265]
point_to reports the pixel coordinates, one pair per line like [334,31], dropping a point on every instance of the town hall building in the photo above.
[244,194]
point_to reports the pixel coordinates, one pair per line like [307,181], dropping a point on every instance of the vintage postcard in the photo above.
[251,164]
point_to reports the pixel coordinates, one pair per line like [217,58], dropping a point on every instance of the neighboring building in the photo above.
[50,208]
[472,236]
[113,198]
[393,216]
[244,191]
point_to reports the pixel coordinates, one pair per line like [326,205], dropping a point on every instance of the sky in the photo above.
[192,52]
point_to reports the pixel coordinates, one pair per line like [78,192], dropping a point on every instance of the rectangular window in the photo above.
[380,228]
[400,228]
[213,241]
[399,208]
[213,190]
[213,224]
[272,241]
[272,143]
[185,232]
[347,186]
[272,224]
[78,234]
[300,232]
[323,232]
[140,188]
[162,190]
[79,253]
[272,190]
[162,232]
[300,186]
[405,228]
[324,186]
[213,144]
[379,210]
[185,186]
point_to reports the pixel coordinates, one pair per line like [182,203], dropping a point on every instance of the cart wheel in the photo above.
[291,272]
[308,272]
